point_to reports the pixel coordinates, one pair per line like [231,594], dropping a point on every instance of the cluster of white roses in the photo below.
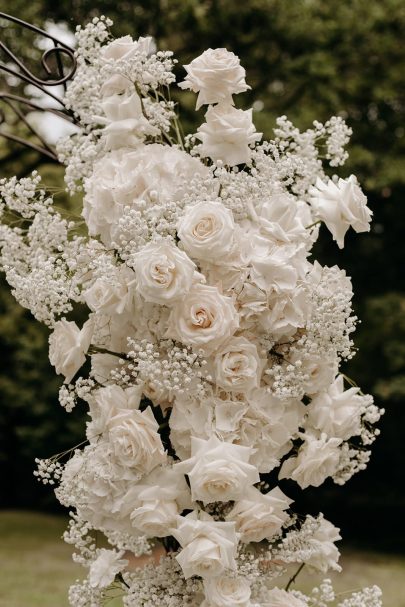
[214,342]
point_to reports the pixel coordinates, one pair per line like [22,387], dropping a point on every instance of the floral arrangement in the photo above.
[208,343]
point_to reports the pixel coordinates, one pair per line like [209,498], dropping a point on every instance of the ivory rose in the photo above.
[155,517]
[135,439]
[164,273]
[106,402]
[162,495]
[336,411]
[68,346]
[317,459]
[208,547]
[203,319]
[112,295]
[218,471]
[215,75]
[237,365]
[207,231]
[226,591]
[227,134]
[340,205]
[260,516]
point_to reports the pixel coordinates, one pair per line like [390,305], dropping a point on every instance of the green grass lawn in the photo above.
[36,568]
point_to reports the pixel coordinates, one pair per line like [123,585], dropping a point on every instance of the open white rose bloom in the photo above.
[186,310]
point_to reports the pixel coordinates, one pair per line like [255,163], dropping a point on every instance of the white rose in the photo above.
[203,319]
[218,471]
[341,205]
[208,547]
[216,75]
[123,48]
[164,273]
[132,178]
[207,231]
[106,566]
[280,219]
[155,517]
[162,495]
[227,591]
[135,439]
[237,365]
[105,402]
[260,516]
[336,412]
[126,125]
[317,459]
[112,295]
[68,346]
[227,134]
[281,598]
[276,268]
[324,553]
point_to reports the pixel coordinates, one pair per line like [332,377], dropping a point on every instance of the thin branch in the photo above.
[294,577]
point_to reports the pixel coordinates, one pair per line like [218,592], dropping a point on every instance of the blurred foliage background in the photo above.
[308,59]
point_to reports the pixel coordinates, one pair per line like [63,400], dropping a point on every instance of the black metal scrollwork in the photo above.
[59,65]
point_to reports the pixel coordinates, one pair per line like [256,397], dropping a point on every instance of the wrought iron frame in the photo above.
[19,104]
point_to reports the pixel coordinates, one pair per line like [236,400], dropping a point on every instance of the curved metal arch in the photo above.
[58,54]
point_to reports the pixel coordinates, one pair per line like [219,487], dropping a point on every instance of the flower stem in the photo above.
[294,577]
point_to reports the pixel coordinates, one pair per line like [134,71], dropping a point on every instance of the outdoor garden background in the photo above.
[307,59]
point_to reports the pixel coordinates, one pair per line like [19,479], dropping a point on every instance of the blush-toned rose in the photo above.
[237,365]
[164,273]
[135,439]
[203,319]
[207,231]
